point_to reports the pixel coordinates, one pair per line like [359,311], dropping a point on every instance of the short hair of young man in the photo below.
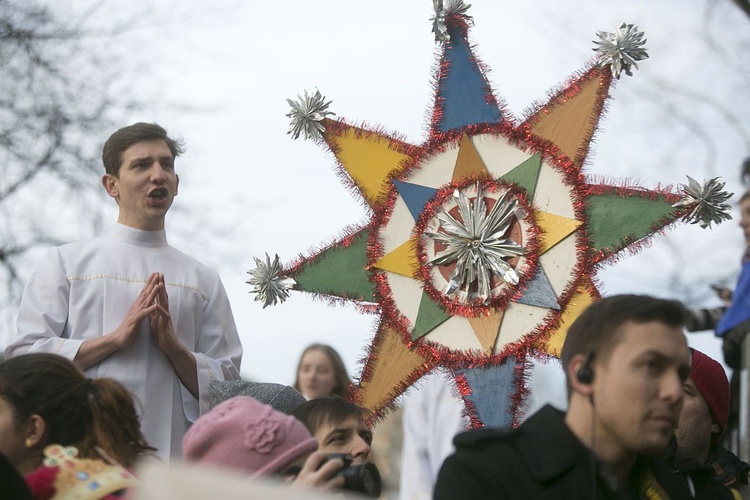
[125,137]
[597,330]
[317,413]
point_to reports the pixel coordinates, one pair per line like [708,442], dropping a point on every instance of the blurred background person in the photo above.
[321,373]
[433,415]
[735,323]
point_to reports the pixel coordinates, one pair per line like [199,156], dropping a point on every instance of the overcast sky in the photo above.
[230,66]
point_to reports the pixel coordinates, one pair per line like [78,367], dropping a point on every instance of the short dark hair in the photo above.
[127,136]
[597,330]
[328,411]
[52,387]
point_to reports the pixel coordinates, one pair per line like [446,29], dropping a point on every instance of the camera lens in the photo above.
[364,478]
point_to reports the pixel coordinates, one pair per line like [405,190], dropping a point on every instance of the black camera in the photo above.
[363,478]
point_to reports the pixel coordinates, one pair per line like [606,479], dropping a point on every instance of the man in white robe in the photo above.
[130,307]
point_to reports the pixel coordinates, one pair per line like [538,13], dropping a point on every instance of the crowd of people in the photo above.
[127,354]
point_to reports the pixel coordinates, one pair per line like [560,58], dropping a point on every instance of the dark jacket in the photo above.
[12,485]
[542,459]
[709,480]
[704,483]
[727,468]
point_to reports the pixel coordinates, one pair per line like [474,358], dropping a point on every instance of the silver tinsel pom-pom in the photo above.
[306,114]
[442,13]
[705,204]
[621,49]
[267,283]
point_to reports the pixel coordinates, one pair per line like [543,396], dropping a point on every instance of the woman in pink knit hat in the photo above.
[244,435]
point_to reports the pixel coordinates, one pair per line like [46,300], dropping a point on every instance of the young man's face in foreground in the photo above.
[638,390]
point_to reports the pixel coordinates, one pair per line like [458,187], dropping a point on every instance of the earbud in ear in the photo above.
[585,373]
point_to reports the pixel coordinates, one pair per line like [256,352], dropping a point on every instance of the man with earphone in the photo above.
[625,360]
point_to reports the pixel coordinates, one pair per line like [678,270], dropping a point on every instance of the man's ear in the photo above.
[176,184]
[35,430]
[577,363]
[109,182]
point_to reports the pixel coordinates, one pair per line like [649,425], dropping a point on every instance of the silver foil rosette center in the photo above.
[473,241]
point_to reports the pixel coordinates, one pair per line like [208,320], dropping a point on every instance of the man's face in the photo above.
[638,391]
[145,185]
[745,220]
[351,436]
[696,426]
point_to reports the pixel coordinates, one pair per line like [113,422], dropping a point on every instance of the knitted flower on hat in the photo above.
[263,434]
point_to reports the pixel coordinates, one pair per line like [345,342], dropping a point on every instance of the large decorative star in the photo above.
[483,240]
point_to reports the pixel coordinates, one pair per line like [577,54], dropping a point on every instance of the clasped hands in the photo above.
[152,302]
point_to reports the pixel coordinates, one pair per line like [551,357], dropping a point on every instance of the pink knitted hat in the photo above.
[711,381]
[246,435]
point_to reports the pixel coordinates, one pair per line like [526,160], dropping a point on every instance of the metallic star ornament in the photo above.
[621,49]
[443,13]
[706,204]
[307,114]
[267,283]
[483,240]
[476,243]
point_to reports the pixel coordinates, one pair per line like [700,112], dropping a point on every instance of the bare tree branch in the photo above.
[744,6]
[55,97]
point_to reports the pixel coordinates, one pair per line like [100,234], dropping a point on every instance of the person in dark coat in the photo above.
[625,360]
[703,419]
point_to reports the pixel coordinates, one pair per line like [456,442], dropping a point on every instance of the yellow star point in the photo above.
[402,260]
[555,228]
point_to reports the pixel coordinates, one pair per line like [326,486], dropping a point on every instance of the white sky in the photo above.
[234,63]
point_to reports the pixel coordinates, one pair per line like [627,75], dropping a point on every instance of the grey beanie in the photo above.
[279,397]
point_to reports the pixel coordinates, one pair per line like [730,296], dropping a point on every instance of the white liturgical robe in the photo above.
[432,417]
[83,290]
